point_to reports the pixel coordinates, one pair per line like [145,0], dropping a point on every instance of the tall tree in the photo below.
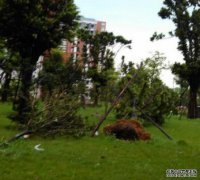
[100,57]
[185,14]
[31,27]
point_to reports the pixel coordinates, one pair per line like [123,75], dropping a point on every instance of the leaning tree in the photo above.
[31,27]
[185,14]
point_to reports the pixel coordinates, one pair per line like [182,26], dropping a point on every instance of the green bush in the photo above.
[147,96]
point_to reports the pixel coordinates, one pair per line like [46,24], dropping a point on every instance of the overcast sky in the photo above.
[136,20]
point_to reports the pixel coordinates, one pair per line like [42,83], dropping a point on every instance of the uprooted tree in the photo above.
[31,27]
[185,14]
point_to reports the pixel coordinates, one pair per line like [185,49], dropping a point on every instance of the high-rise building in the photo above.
[74,48]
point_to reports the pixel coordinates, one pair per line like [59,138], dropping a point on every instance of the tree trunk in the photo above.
[83,100]
[192,106]
[96,99]
[96,95]
[6,87]
[24,107]
[106,99]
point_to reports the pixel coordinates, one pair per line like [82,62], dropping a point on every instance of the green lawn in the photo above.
[102,157]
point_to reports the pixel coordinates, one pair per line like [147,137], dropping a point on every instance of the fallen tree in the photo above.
[58,116]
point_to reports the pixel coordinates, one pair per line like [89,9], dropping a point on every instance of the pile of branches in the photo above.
[57,116]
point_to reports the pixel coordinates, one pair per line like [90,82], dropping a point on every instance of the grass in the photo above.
[102,157]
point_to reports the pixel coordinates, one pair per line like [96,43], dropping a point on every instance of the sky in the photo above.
[136,20]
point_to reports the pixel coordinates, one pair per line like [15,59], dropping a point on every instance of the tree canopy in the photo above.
[31,27]
[98,56]
[147,96]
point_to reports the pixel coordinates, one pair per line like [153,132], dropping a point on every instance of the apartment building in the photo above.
[74,49]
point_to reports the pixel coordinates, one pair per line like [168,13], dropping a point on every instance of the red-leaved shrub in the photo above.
[127,130]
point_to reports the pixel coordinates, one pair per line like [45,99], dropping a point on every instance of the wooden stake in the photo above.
[155,124]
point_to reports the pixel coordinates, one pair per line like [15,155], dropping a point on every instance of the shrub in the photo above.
[127,130]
